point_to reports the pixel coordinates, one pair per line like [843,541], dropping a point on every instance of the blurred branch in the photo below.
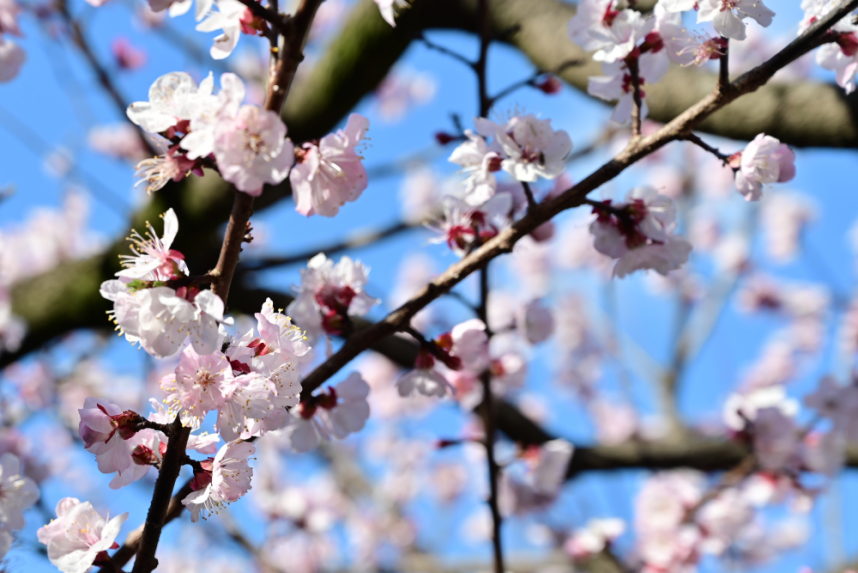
[360,238]
[80,40]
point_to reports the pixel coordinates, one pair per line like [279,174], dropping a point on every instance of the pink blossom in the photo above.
[594,538]
[12,57]
[160,318]
[542,484]
[80,537]
[153,259]
[173,98]
[127,56]
[740,409]
[105,429]
[837,403]
[330,173]
[329,294]
[198,385]
[729,23]
[172,165]
[424,379]
[146,449]
[208,115]
[766,160]
[639,233]
[419,195]
[247,401]
[599,25]
[230,18]
[253,150]
[481,161]
[615,422]
[280,335]
[724,519]
[228,480]
[464,225]
[616,84]
[531,147]
[684,47]
[777,445]
[509,371]
[340,411]
[470,344]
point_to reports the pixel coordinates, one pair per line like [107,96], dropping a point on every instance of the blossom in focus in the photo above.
[146,449]
[12,57]
[727,17]
[617,84]
[231,18]
[681,46]
[153,259]
[198,385]
[104,429]
[531,147]
[329,294]
[252,149]
[329,174]
[340,411]
[209,112]
[279,334]
[481,161]
[386,7]
[225,479]
[173,98]
[594,537]
[424,378]
[80,536]
[599,25]
[160,318]
[639,233]
[765,160]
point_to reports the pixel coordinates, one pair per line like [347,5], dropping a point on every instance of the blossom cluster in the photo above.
[245,143]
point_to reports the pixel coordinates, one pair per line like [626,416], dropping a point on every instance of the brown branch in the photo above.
[161,498]
[634,71]
[725,159]
[724,67]
[242,208]
[573,197]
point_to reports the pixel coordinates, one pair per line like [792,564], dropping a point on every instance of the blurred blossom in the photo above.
[415,271]
[419,193]
[126,55]
[784,217]
[147,18]
[12,328]
[704,230]
[328,17]
[667,180]
[531,264]
[401,90]
[616,422]
[732,253]
[449,480]
[12,57]
[120,140]
[59,162]
[775,366]
[574,247]
[580,354]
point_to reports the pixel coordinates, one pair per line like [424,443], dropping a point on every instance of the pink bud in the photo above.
[550,85]
[848,43]
[444,138]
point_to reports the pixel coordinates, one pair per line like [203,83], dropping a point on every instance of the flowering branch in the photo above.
[276,20]
[547,86]
[504,241]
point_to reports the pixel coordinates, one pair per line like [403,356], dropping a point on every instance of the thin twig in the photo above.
[531,202]
[724,158]
[531,80]
[634,72]
[446,51]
